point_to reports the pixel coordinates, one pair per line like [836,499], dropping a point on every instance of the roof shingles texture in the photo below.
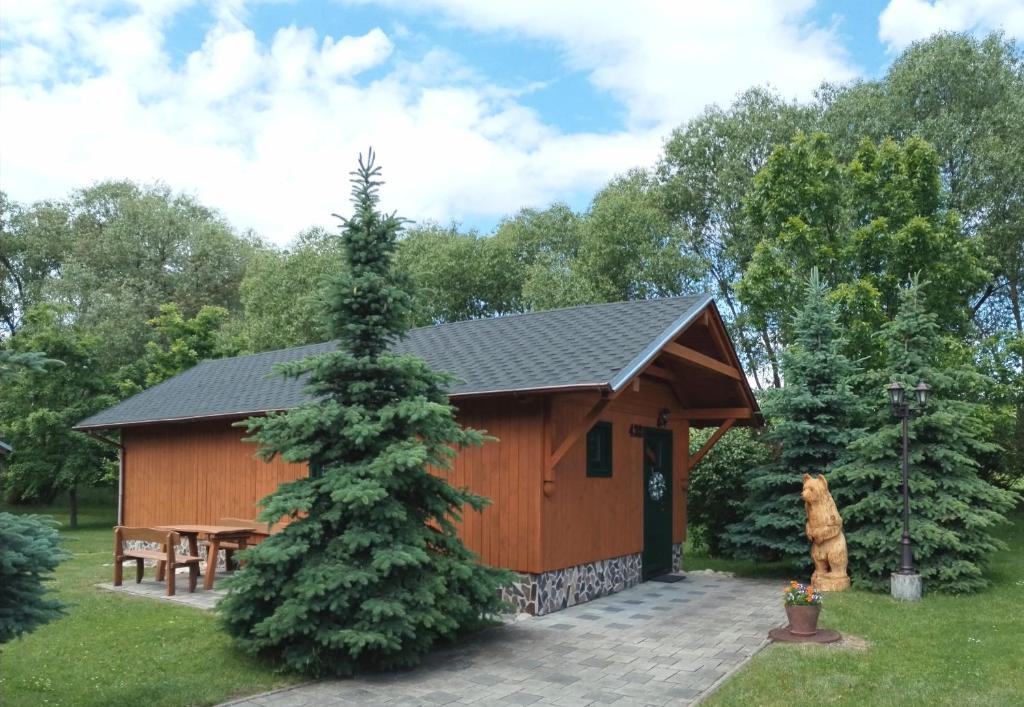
[586,346]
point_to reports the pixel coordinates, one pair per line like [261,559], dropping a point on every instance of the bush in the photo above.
[29,553]
[717,484]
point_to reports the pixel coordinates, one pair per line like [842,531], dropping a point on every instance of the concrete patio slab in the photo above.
[653,644]
[151,589]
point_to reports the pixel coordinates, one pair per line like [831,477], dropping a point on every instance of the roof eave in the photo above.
[241,414]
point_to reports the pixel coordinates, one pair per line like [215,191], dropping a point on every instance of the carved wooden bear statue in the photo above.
[825,531]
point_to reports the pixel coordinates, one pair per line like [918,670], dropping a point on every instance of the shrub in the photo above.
[29,553]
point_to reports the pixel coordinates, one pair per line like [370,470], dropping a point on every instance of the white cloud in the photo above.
[905,21]
[666,60]
[267,131]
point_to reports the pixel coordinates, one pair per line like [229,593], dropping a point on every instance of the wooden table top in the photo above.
[211,530]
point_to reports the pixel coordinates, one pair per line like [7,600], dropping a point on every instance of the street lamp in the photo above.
[903,409]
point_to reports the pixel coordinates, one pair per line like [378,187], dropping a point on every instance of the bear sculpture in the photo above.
[825,531]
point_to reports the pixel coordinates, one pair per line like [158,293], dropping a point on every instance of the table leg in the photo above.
[211,562]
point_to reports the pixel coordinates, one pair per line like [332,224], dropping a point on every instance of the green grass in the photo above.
[945,650]
[114,649]
[120,650]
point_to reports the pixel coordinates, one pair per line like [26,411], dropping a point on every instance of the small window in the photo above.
[599,450]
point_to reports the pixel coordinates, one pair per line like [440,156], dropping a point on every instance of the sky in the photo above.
[476,108]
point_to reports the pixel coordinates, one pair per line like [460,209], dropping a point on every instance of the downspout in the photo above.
[120,471]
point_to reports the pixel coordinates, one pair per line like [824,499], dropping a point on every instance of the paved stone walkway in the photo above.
[654,644]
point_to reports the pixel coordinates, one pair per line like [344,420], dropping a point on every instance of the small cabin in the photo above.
[592,408]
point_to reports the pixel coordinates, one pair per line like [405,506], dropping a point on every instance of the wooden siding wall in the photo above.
[195,473]
[198,473]
[508,472]
[587,519]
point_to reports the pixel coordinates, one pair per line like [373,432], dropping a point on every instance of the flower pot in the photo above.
[803,620]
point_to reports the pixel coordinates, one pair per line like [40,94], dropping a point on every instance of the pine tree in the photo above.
[370,572]
[811,420]
[29,553]
[951,509]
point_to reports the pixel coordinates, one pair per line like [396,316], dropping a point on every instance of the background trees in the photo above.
[39,407]
[918,172]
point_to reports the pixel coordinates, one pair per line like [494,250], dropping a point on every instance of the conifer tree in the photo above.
[369,573]
[811,420]
[951,509]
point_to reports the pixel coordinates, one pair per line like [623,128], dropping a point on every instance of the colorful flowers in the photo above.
[797,594]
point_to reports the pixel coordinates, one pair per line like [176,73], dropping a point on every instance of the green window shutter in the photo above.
[599,450]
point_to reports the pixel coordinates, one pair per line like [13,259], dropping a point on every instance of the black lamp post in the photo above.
[904,410]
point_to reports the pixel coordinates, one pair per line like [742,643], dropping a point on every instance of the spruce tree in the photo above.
[369,573]
[951,509]
[811,420]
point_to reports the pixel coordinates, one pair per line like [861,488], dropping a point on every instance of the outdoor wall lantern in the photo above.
[908,586]
[663,417]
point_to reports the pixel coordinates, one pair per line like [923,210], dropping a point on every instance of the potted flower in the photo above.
[803,605]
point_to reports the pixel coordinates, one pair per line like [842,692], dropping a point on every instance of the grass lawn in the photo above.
[119,650]
[945,650]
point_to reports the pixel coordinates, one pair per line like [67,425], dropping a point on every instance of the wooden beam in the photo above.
[688,355]
[670,378]
[545,450]
[659,372]
[716,413]
[712,441]
[572,438]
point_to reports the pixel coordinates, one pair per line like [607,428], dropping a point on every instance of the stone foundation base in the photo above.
[905,587]
[182,550]
[551,591]
[677,557]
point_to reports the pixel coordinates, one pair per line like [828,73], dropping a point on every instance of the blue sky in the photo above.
[477,109]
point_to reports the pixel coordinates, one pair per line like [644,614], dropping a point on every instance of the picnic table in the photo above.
[214,535]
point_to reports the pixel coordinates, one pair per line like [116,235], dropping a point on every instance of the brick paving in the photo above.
[654,644]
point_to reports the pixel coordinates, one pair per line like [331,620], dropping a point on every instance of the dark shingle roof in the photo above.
[591,346]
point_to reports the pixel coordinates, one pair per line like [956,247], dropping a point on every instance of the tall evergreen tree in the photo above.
[951,509]
[369,573]
[812,418]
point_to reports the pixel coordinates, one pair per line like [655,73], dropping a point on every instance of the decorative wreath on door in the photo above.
[656,486]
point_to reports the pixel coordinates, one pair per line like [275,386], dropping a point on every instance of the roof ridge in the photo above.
[589,305]
[515,315]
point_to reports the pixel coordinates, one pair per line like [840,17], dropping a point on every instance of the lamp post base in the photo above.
[905,587]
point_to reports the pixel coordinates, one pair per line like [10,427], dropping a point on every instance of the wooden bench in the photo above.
[167,558]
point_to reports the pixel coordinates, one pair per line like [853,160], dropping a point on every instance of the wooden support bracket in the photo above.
[742,413]
[712,441]
[696,358]
[574,436]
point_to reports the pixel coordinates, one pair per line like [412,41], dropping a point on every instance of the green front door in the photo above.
[657,555]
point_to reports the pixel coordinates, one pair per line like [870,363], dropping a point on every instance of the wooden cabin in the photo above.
[592,407]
